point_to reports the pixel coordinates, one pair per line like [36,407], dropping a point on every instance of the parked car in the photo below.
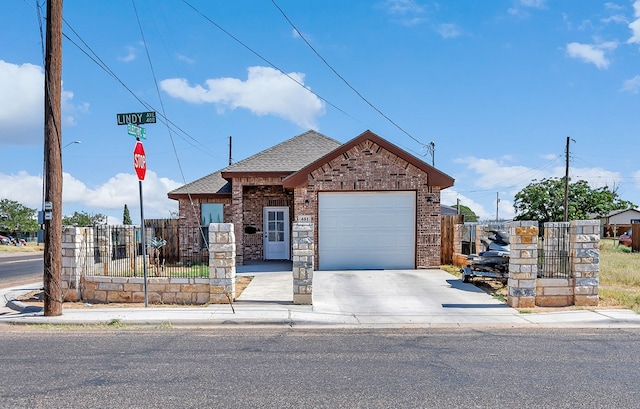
[5,240]
[625,239]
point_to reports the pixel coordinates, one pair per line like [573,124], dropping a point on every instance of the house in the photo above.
[617,222]
[372,204]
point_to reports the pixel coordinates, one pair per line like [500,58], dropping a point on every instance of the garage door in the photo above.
[366,230]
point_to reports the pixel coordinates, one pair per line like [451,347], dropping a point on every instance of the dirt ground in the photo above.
[35,298]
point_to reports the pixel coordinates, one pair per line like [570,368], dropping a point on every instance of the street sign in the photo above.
[139,161]
[137,118]
[137,131]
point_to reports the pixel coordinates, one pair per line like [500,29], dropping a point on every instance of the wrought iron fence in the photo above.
[172,251]
[553,252]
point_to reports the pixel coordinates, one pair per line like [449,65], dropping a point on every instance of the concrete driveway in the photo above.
[414,295]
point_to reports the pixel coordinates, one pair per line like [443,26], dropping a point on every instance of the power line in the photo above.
[342,78]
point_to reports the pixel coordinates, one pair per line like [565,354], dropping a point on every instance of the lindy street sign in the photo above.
[137,118]
[139,161]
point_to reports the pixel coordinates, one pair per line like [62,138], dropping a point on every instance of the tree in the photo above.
[16,218]
[469,215]
[126,217]
[543,201]
[84,219]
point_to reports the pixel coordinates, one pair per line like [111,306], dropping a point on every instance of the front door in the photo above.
[276,233]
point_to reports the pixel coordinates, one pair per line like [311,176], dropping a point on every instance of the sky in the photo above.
[497,86]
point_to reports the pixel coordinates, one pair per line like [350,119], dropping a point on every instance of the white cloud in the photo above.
[132,54]
[403,7]
[108,199]
[589,53]
[520,7]
[449,30]
[265,92]
[635,25]
[185,59]
[21,103]
[632,85]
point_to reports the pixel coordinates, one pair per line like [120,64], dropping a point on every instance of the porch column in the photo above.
[523,264]
[222,263]
[303,248]
[584,239]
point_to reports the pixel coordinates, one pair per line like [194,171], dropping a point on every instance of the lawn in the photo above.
[30,247]
[619,276]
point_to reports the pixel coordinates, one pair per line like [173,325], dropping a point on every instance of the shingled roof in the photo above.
[288,156]
[285,158]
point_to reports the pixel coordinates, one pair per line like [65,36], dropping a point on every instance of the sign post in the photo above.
[140,166]
[133,120]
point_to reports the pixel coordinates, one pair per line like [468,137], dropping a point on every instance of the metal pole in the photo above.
[144,248]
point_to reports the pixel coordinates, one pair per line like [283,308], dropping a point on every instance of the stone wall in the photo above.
[578,286]
[369,167]
[81,281]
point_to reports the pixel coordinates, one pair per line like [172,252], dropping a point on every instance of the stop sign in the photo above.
[139,160]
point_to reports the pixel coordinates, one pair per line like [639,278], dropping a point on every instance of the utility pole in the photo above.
[52,278]
[230,151]
[497,203]
[566,183]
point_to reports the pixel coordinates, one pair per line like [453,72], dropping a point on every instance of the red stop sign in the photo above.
[139,160]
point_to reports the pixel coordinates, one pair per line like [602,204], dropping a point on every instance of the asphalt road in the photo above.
[20,269]
[324,368]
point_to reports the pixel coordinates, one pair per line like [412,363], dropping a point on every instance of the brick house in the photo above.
[373,205]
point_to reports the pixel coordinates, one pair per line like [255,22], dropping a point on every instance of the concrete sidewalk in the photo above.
[341,299]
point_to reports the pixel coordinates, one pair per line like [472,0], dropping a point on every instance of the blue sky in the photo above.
[496,85]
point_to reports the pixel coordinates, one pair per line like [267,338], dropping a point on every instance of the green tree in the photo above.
[16,218]
[84,219]
[126,217]
[469,215]
[543,201]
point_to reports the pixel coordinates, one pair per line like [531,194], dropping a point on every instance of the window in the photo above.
[209,213]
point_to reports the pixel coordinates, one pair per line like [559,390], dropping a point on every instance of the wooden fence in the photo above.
[447,234]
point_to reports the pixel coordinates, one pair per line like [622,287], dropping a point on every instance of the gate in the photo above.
[553,251]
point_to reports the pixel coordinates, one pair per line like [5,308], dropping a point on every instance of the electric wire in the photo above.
[351,87]
[155,81]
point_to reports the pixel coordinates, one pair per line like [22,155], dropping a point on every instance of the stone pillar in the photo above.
[75,242]
[222,263]
[584,237]
[303,249]
[523,264]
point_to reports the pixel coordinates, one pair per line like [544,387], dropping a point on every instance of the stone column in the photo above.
[584,237]
[303,248]
[222,263]
[523,264]
[75,242]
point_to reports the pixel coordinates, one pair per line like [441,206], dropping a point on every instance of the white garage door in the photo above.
[366,230]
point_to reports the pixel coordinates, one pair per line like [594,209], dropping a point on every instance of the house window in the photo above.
[209,213]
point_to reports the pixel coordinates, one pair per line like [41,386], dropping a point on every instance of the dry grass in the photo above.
[619,276]
[29,248]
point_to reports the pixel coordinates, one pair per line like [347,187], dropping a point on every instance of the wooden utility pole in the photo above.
[53,161]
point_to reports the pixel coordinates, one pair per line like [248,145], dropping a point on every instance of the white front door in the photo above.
[276,233]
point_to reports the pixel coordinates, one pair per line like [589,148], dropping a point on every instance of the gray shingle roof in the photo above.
[288,156]
[213,183]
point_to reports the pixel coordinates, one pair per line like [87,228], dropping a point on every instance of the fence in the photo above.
[553,251]
[116,251]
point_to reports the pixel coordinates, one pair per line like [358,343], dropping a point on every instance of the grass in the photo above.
[30,247]
[619,276]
